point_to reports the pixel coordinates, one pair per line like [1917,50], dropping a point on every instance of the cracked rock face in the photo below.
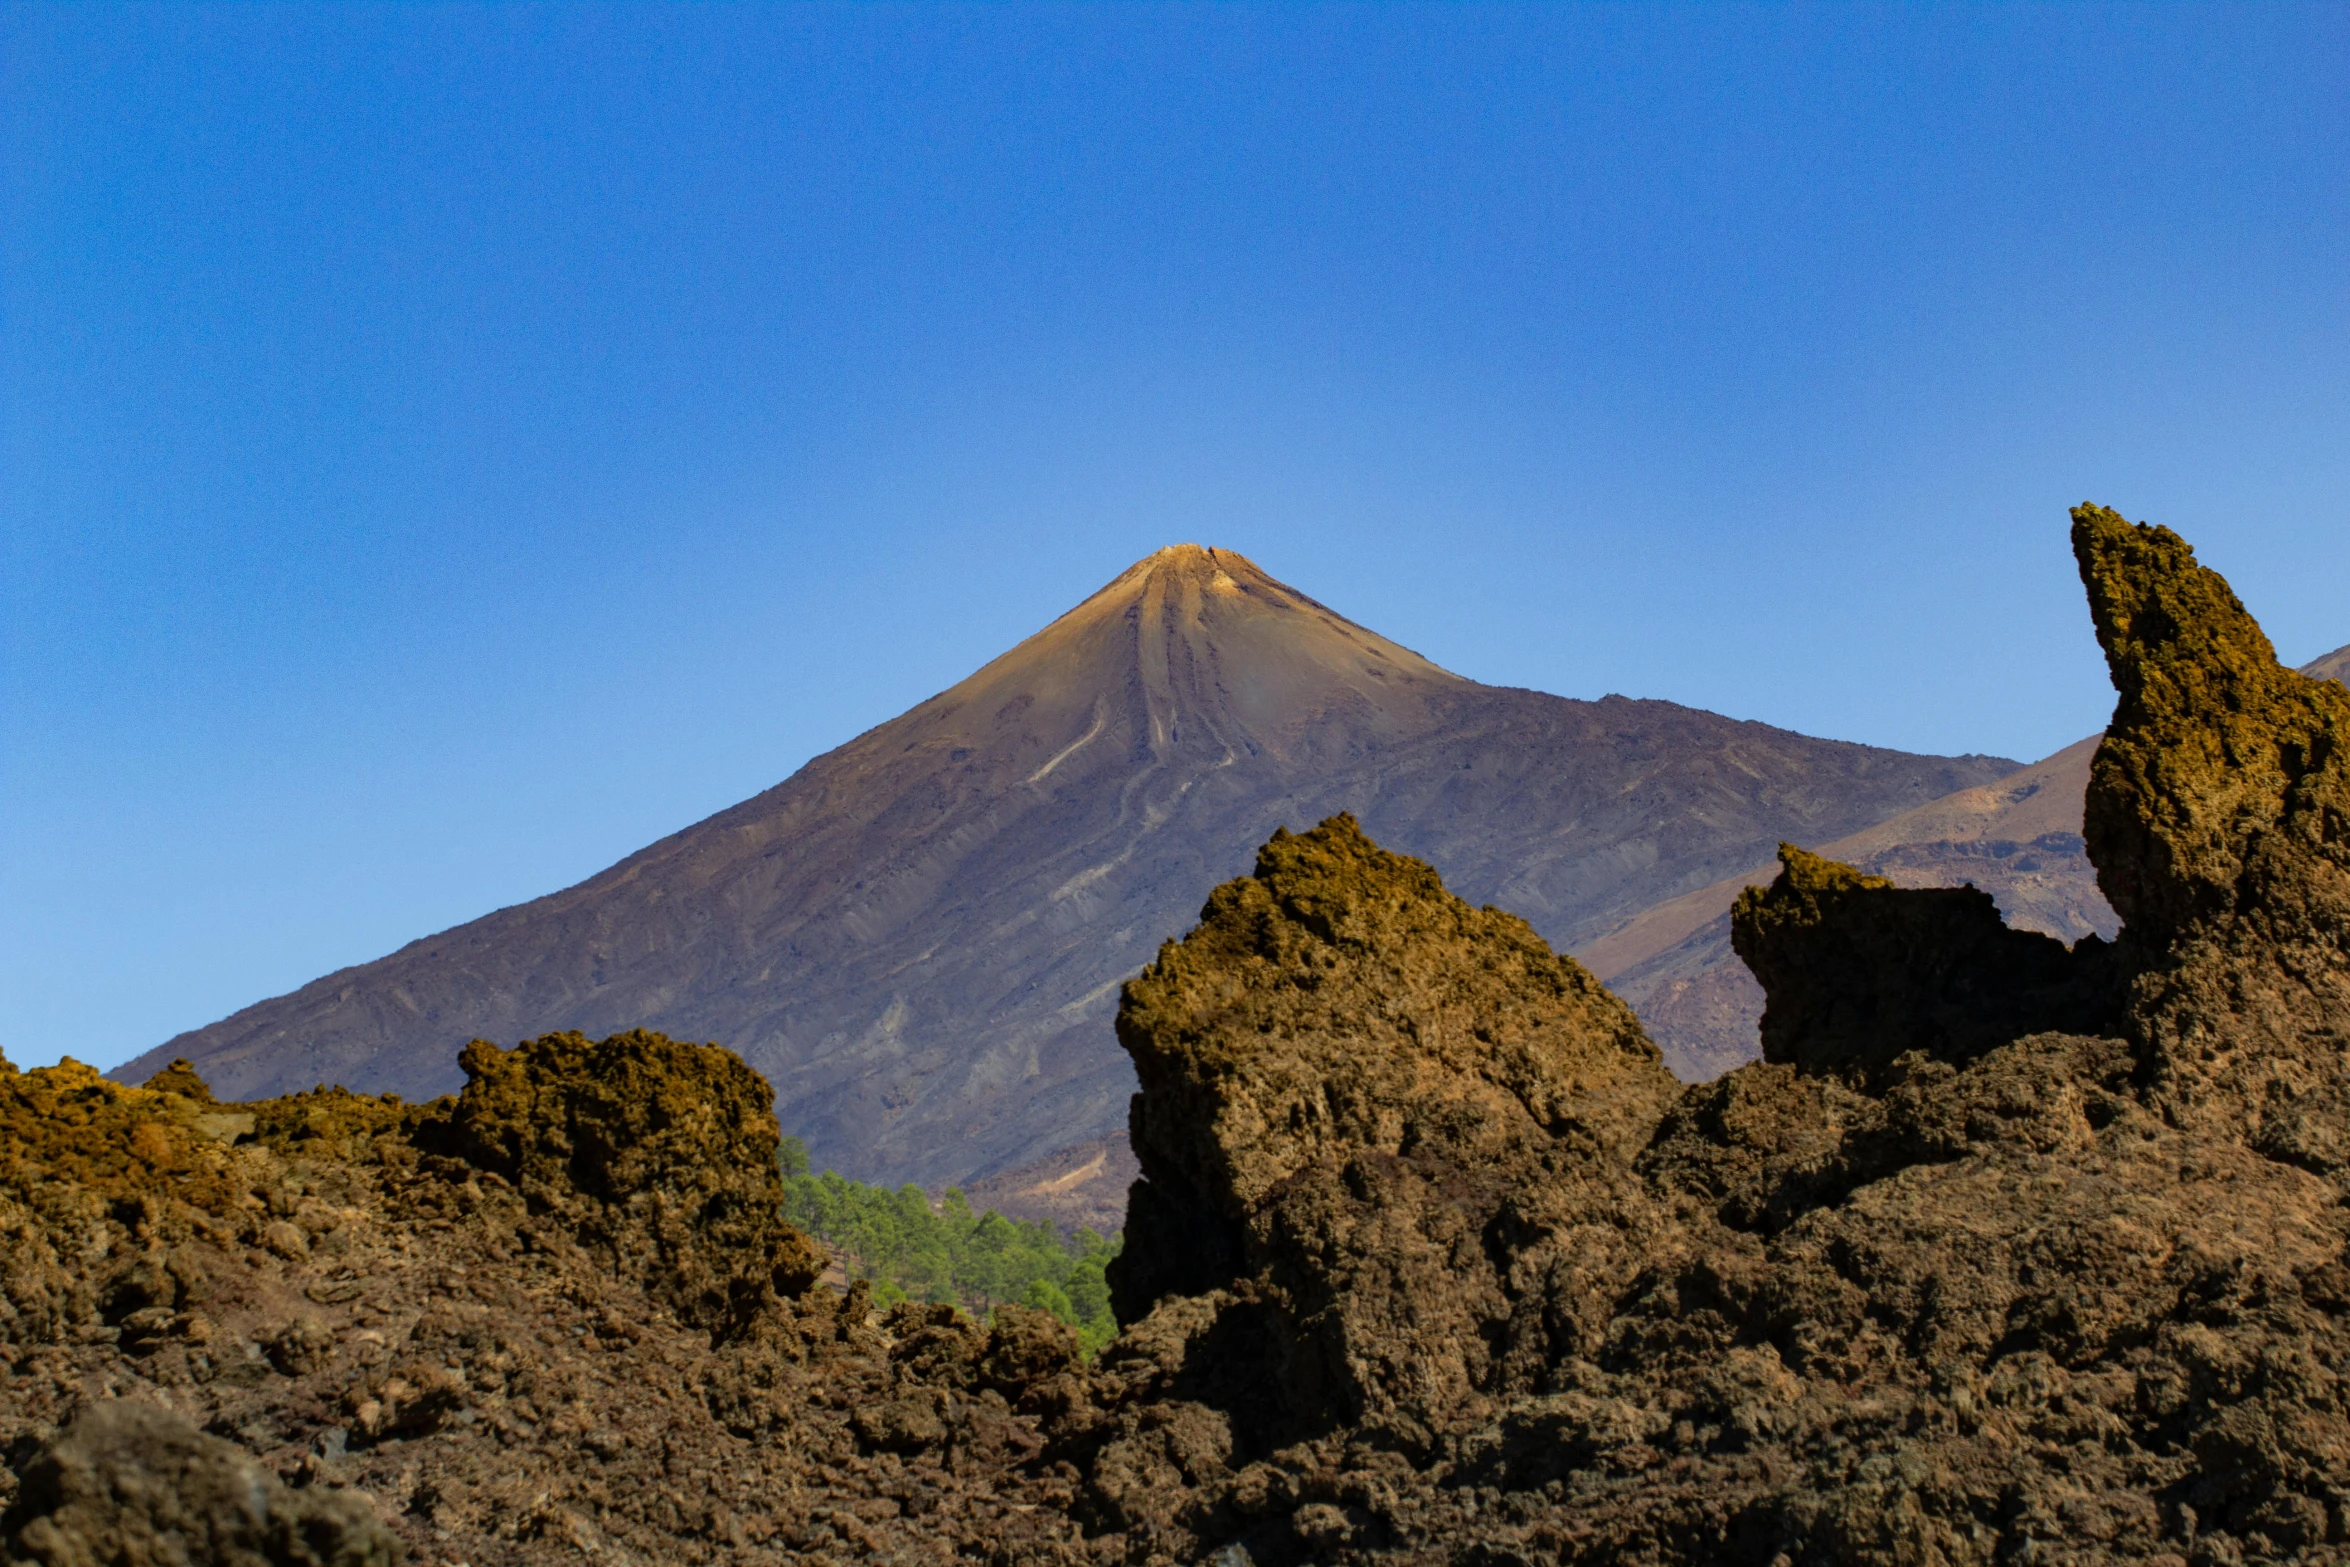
[1393,1130]
[2008,1251]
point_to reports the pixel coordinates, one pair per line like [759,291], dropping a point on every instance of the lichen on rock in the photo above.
[2006,1252]
[365,1338]
[1386,1142]
[2218,816]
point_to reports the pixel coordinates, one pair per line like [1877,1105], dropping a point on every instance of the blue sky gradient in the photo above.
[444,449]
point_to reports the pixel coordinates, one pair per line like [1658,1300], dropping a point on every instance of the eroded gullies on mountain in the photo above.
[2011,1252]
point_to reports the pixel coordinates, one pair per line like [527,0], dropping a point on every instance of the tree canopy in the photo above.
[910,1247]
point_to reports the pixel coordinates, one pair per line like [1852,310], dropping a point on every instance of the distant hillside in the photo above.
[919,937]
[2018,839]
[2334,666]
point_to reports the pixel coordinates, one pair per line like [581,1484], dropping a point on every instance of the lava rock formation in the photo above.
[2008,1252]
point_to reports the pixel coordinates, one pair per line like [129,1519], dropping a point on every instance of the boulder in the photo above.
[659,1152]
[2219,820]
[1394,1131]
[1857,972]
[130,1484]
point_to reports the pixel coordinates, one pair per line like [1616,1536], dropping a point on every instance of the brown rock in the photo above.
[660,1152]
[180,1078]
[132,1485]
[1857,972]
[2219,818]
[2010,1252]
[1388,1124]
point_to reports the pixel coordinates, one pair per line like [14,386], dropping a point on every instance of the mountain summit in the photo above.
[919,937]
[1202,638]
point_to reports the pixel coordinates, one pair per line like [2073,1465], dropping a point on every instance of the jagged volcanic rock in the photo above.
[315,1330]
[2219,819]
[1939,1285]
[2019,839]
[1860,972]
[660,1154]
[1392,1128]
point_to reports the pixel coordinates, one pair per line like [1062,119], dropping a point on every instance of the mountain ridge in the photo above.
[919,935]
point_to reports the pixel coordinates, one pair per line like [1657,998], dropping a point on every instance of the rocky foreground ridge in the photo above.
[2008,1251]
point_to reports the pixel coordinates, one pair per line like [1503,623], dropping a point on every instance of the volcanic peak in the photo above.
[918,938]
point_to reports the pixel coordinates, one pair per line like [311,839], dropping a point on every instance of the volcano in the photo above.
[919,937]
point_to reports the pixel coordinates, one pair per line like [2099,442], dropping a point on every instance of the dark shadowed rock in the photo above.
[1857,972]
[2018,839]
[1386,1142]
[133,1485]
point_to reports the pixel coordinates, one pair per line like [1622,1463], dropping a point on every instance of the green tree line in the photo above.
[911,1249]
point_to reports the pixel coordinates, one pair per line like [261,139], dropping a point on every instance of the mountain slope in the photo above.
[2019,839]
[2333,666]
[919,937]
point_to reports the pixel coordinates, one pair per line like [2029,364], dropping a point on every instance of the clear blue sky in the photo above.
[444,449]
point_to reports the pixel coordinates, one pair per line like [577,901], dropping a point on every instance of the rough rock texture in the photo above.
[1942,1284]
[2018,839]
[1386,1125]
[2219,819]
[133,1485]
[533,1358]
[1430,1260]
[662,1155]
[1859,972]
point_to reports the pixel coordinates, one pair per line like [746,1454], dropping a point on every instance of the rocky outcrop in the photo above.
[2219,819]
[1857,972]
[1386,1142]
[332,1327]
[1339,1002]
[2010,1251]
[657,1153]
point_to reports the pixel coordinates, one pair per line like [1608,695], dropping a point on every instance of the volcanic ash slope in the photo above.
[919,937]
